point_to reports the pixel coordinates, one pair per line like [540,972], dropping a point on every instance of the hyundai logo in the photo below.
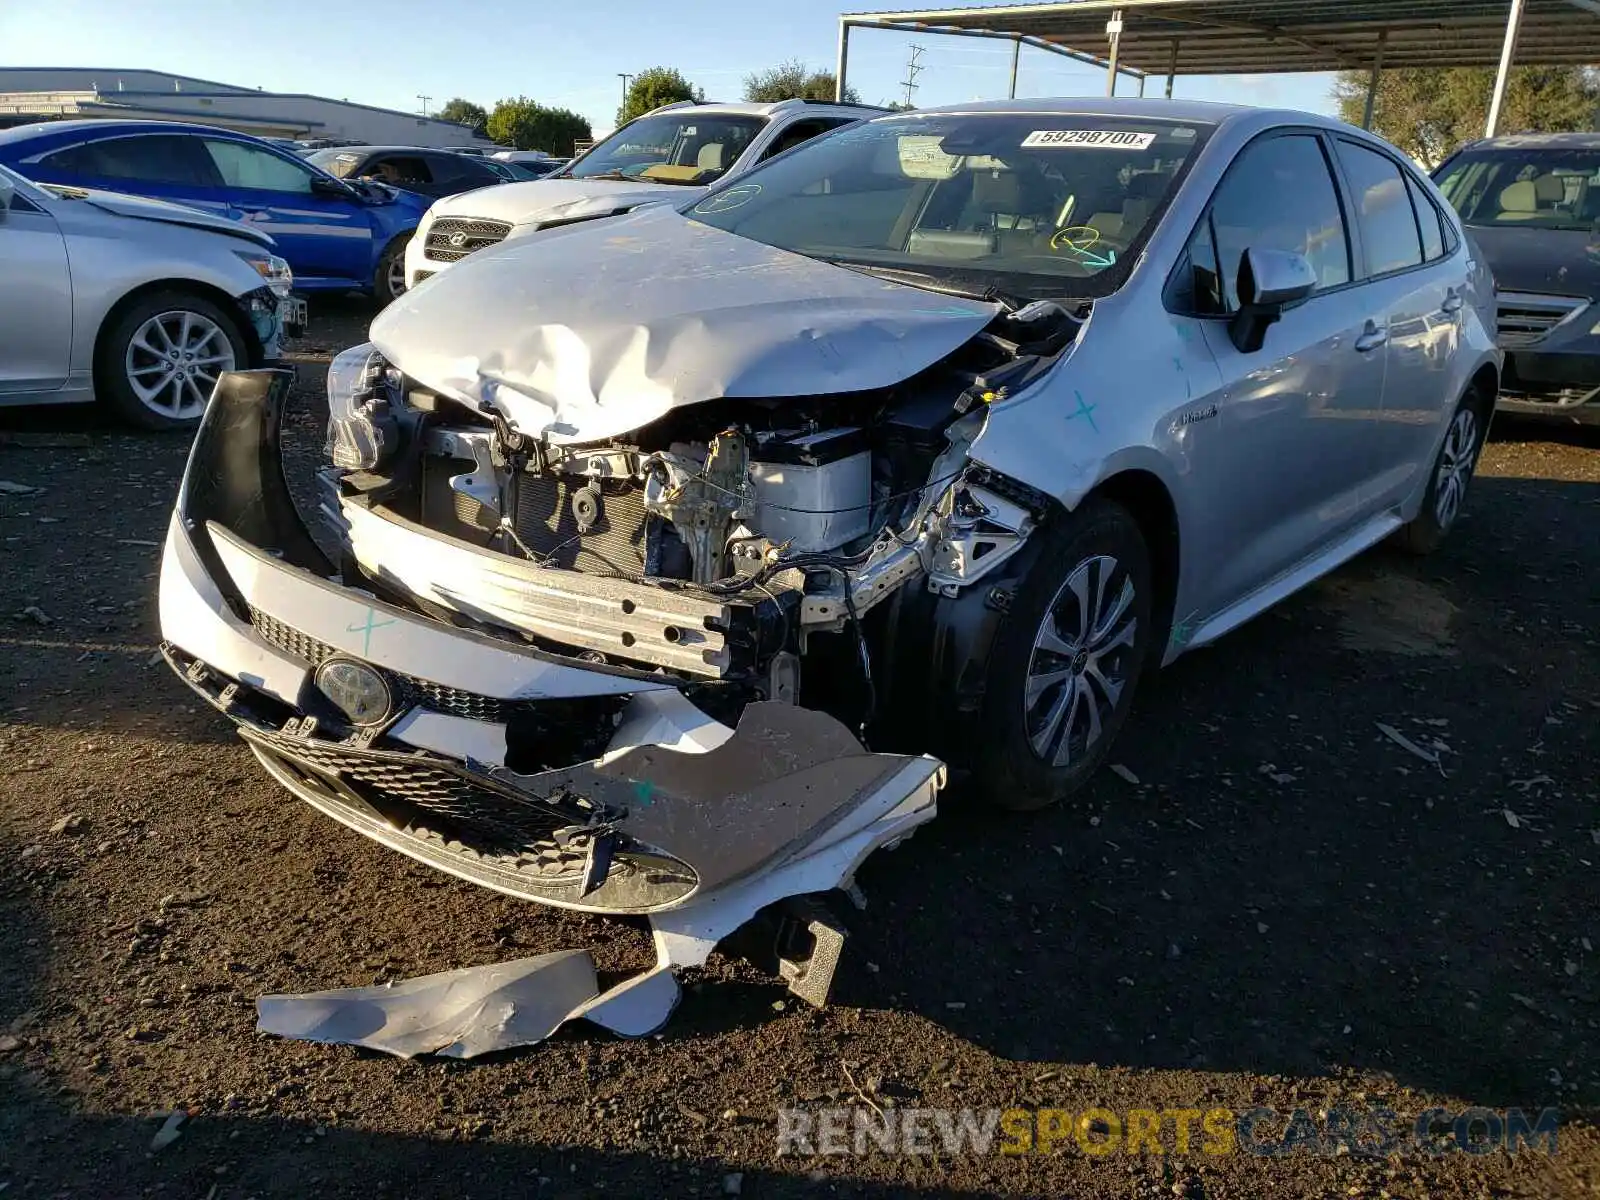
[458,239]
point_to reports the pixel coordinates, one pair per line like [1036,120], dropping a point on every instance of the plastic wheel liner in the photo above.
[677,816]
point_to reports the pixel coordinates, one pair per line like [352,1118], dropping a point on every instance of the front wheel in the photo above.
[1067,661]
[157,363]
[1452,473]
[390,279]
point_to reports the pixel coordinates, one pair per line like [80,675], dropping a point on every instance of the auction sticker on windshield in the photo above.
[1103,139]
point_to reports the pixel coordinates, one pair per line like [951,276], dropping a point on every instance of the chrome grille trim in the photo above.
[1527,318]
[450,239]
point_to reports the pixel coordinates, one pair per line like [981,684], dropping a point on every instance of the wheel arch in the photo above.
[1146,497]
[218,296]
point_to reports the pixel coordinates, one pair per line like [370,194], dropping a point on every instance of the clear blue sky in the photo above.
[387,52]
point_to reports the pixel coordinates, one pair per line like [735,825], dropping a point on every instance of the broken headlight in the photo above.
[362,428]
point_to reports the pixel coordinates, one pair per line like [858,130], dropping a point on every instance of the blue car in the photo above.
[338,235]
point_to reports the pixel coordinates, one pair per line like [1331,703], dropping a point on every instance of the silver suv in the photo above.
[673,153]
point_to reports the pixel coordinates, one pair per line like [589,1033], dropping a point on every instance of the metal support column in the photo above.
[1114,33]
[1172,68]
[1016,55]
[1372,81]
[1508,54]
[843,64]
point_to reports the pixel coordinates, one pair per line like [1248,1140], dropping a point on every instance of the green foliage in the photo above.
[653,87]
[524,124]
[464,112]
[1428,114]
[792,80]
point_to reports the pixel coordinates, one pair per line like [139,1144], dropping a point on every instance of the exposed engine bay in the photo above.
[726,543]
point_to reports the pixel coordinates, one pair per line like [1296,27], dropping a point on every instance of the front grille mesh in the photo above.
[436,696]
[441,807]
[450,239]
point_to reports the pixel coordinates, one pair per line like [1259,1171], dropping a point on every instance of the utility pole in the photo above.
[913,69]
[424,100]
[626,79]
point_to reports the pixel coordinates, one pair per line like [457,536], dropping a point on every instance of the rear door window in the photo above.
[146,158]
[1278,195]
[1382,209]
[1429,220]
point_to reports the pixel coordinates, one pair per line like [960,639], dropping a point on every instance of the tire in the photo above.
[1449,477]
[136,374]
[389,281]
[1096,552]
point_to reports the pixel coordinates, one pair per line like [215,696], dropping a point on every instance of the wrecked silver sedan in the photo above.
[933,435]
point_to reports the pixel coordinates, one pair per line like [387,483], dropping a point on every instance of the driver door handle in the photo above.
[1372,338]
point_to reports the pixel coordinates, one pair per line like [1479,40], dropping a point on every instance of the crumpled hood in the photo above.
[589,331]
[146,209]
[558,199]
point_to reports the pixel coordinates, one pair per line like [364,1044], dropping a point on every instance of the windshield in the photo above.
[1041,205]
[689,148]
[1536,188]
[335,162]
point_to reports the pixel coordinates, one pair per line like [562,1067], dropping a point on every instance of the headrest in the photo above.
[1521,197]
[1009,192]
[1550,189]
[710,158]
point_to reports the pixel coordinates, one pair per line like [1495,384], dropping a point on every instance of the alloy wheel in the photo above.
[1456,462]
[173,361]
[1081,662]
[397,275]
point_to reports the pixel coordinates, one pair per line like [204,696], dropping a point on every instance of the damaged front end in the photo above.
[616,675]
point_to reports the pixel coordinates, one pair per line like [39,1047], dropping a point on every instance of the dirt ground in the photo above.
[1287,909]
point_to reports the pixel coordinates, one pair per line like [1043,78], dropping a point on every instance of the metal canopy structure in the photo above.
[1140,38]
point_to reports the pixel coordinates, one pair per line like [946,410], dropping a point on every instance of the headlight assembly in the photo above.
[362,428]
[274,270]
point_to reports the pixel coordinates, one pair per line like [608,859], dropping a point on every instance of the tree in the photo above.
[464,112]
[525,125]
[653,87]
[1428,114]
[793,80]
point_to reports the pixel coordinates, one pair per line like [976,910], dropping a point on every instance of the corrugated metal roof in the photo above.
[1227,37]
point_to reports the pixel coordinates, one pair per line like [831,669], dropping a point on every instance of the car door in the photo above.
[410,172]
[166,166]
[1415,299]
[35,300]
[1284,476]
[452,173]
[323,230]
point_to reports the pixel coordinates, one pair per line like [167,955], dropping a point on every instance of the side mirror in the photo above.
[332,187]
[1269,282]
[7,190]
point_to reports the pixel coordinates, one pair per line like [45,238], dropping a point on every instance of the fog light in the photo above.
[358,691]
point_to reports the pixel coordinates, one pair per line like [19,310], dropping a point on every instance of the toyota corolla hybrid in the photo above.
[940,432]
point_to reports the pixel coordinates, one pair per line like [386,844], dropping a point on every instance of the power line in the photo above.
[913,69]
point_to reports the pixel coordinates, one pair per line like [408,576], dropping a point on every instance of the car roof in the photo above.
[362,151]
[66,129]
[1203,111]
[1584,140]
[746,108]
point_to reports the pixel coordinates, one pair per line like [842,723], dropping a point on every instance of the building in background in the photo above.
[46,93]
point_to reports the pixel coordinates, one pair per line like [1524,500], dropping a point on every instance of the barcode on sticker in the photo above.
[1104,139]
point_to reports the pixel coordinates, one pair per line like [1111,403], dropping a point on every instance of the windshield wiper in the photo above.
[929,282]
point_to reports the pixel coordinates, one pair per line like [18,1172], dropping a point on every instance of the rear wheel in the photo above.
[157,364]
[1065,665]
[390,280]
[1452,473]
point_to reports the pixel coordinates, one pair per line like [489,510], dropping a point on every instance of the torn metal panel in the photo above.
[653,311]
[454,1014]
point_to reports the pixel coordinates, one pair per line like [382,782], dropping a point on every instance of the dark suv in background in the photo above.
[1532,205]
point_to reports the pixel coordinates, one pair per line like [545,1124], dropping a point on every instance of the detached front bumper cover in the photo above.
[681,818]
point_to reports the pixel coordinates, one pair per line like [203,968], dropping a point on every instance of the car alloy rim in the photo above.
[397,275]
[1082,656]
[173,361]
[1456,462]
